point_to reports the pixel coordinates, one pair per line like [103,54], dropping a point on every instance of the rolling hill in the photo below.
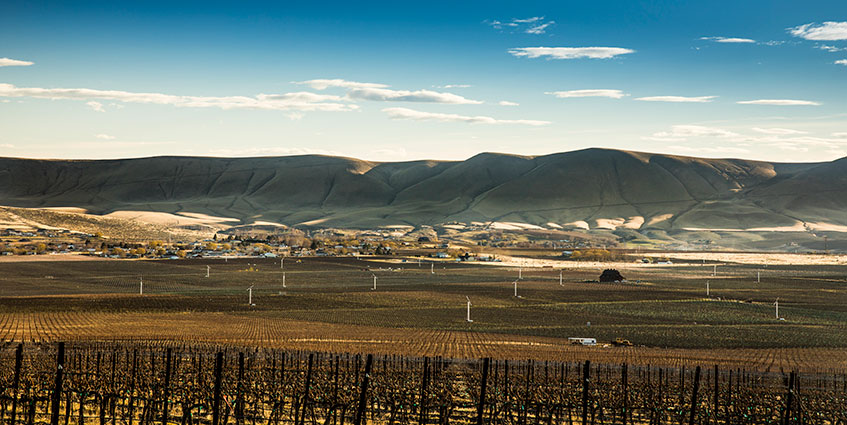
[592,188]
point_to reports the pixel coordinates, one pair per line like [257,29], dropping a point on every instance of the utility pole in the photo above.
[208,269]
[469,310]
[283,279]
[520,270]
[776,304]
[714,270]
[250,295]
[707,288]
[758,277]
[282,263]
[432,268]
[516,288]
[560,278]
[374,288]
[141,285]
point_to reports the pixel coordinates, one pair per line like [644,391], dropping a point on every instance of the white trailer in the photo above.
[583,341]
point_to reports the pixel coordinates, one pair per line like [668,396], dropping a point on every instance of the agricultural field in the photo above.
[328,304]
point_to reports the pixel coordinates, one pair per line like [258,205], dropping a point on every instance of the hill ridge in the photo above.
[596,186]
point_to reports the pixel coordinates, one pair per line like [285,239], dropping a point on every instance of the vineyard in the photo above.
[329,305]
[218,385]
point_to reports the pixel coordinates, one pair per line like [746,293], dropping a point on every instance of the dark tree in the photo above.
[611,275]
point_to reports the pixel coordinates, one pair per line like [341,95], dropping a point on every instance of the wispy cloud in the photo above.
[677,99]
[841,62]
[323,84]
[388,95]
[728,39]
[777,131]
[776,138]
[540,28]
[411,114]
[95,106]
[827,31]
[531,25]
[300,101]
[14,62]
[507,103]
[779,102]
[709,150]
[841,135]
[830,48]
[570,52]
[680,133]
[103,136]
[614,94]
[7,146]
[381,93]
[528,20]
[453,86]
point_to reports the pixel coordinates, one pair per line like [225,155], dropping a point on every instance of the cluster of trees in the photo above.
[595,255]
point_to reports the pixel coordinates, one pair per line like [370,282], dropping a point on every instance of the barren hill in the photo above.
[594,188]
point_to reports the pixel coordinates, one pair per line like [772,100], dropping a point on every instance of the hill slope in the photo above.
[592,187]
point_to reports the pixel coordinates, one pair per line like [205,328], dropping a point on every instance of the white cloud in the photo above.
[323,84]
[827,31]
[388,95]
[677,99]
[831,49]
[14,62]
[7,146]
[411,114]
[299,101]
[540,28]
[570,52]
[680,133]
[104,136]
[95,106]
[728,39]
[295,116]
[841,62]
[779,102]
[507,103]
[453,86]
[614,94]
[777,131]
[840,135]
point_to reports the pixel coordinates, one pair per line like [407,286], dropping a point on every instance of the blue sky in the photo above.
[437,80]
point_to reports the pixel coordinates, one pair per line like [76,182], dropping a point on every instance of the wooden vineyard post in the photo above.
[17,380]
[424,382]
[305,392]
[216,404]
[481,408]
[694,395]
[167,393]
[132,385]
[789,399]
[717,398]
[585,377]
[239,397]
[624,378]
[57,388]
[363,393]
